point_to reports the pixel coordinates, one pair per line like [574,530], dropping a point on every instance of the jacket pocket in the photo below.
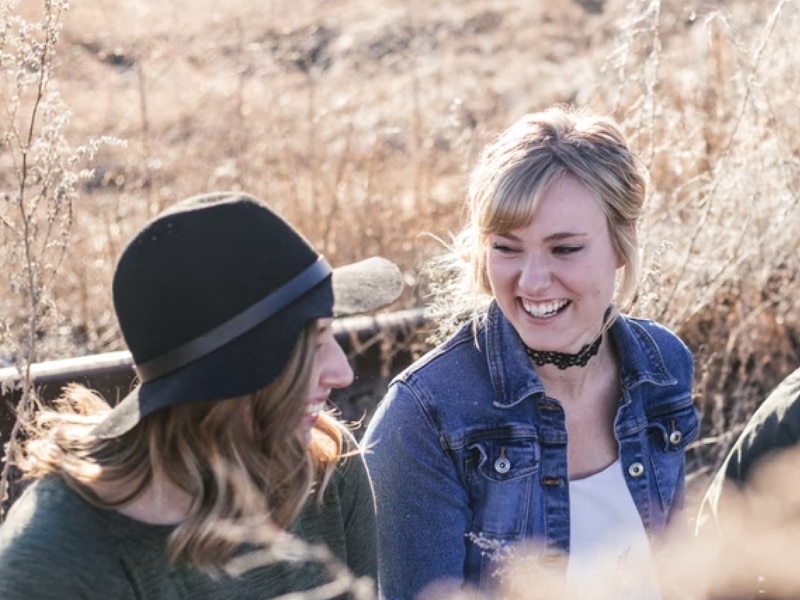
[499,468]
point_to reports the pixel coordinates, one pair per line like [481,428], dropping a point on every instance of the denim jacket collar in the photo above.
[509,366]
[513,380]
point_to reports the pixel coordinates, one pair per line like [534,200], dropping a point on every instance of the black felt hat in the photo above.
[212,296]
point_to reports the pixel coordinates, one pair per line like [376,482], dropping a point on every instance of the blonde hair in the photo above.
[242,460]
[505,189]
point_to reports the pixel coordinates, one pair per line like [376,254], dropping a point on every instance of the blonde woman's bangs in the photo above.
[517,197]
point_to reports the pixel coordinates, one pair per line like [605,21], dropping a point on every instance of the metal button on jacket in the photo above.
[675,438]
[636,469]
[502,465]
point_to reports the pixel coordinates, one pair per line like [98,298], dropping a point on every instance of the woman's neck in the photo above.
[161,502]
[575,384]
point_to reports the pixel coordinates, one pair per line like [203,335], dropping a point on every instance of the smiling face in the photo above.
[330,371]
[554,278]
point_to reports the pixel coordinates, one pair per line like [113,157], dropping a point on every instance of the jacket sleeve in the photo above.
[423,509]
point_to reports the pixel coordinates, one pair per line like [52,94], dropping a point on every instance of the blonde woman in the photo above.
[187,487]
[549,417]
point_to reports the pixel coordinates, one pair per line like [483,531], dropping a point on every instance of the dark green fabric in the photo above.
[775,426]
[56,546]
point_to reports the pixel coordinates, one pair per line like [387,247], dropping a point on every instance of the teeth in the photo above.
[545,309]
[314,408]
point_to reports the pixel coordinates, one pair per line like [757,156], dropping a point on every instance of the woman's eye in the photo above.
[322,342]
[502,248]
[567,249]
[324,332]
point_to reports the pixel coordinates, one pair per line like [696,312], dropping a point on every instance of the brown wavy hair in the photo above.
[242,460]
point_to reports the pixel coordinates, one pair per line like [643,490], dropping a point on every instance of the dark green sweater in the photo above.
[54,545]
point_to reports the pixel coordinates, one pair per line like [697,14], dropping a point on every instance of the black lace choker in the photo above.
[564,360]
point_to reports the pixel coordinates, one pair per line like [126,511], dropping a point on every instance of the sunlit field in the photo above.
[360,121]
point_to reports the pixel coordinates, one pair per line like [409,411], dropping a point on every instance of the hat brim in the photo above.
[361,287]
[365,286]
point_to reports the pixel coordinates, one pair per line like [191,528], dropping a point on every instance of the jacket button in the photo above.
[675,438]
[636,469]
[502,465]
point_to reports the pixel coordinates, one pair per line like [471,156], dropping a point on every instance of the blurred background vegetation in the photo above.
[360,120]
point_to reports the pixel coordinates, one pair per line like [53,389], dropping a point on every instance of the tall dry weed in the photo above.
[40,175]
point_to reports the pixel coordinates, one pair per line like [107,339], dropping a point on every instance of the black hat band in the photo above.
[237,325]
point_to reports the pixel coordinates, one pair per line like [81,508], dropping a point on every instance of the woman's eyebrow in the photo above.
[323,326]
[563,235]
[553,237]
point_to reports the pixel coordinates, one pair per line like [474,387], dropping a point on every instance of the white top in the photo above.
[609,550]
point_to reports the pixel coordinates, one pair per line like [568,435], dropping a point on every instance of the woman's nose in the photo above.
[337,372]
[535,274]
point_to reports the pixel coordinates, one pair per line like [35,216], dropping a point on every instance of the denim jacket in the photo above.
[466,446]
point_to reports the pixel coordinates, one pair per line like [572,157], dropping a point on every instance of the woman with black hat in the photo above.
[188,486]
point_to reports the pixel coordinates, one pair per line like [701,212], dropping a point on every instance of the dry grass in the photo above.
[359,121]
[361,124]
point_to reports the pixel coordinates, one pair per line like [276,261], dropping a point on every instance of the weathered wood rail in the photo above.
[378,347]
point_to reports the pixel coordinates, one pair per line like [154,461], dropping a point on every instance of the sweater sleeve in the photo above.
[344,521]
[358,514]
